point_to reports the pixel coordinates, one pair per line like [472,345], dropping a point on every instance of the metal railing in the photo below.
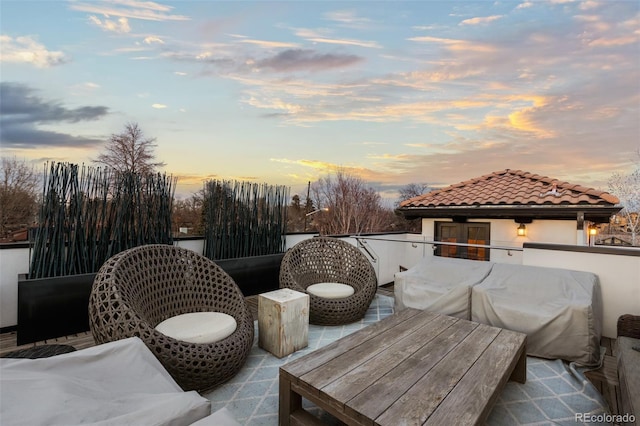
[366,248]
[425,242]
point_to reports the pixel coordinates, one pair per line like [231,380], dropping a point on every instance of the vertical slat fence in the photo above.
[244,219]
[89,214]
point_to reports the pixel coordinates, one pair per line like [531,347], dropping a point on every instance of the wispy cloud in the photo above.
[312,168]
[321,166]
[600,32]
[159,106]
[348,19]
[590,4]
[120,26]
[481,20]
[27,50]
[85,89]
[455,44]
[524,120]
[614,41]
[525,5]
[307,60]
[131,49]
[223,61]
[89,85]
[152,40]
[286,61]
[319,37]
[132,9]
[269,44]
[195,179]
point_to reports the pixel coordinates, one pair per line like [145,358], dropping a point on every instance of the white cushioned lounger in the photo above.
[116,383]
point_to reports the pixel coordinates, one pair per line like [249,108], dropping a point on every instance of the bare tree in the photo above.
[627,188]
[130,151]
[18,194]
[353,208]
[187,213]
[296,215]
[411,190]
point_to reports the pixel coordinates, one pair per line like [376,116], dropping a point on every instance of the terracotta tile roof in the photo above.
[511,187]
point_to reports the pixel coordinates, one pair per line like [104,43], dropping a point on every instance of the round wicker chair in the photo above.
[324,259]
[138,288]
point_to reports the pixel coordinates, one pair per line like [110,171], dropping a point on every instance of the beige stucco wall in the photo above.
[503,234]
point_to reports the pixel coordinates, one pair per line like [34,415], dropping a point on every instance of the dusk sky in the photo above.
[394,92]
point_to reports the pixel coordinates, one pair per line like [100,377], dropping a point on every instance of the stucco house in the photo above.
[506,209]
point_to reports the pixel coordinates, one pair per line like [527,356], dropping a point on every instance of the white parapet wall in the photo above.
[617,268]
[14,260]
[389,253]
[194,244]
[293,239]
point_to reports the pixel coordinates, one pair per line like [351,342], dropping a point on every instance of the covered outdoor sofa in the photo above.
[560,310]
[440,284]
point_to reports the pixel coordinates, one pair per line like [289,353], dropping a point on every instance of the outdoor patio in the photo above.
[553,394]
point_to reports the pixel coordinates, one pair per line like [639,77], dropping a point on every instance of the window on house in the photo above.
[466,233]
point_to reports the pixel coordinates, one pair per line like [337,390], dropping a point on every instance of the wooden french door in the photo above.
[468,233]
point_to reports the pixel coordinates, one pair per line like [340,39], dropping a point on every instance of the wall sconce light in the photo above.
[592,231]
[522,230]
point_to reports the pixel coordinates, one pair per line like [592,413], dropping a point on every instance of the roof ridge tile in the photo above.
[510,186]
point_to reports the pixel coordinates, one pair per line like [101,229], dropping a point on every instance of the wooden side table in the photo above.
[283,321]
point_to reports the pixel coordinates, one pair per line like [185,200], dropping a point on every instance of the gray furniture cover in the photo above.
[117,383]
[440,284]
[560,310]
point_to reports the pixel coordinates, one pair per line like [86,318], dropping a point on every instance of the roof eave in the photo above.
[593,213]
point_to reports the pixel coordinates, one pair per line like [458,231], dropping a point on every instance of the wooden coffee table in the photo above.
[414,367]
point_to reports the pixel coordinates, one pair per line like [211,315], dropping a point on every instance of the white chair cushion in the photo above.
[331,290]
[198,327]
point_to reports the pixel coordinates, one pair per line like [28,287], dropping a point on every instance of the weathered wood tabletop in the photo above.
[412,368]
[629,374]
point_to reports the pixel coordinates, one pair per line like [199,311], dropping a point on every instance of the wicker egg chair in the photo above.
[138,288]
[325,259]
